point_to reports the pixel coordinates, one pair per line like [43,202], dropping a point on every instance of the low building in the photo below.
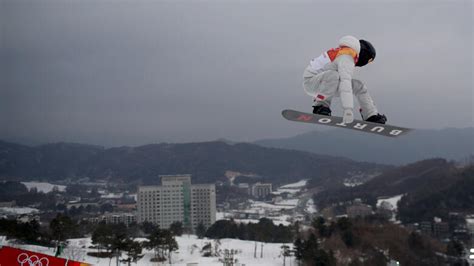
[7,204]
[119,218]
[426,228]
[412,227]
[441,229]
[261,190]
[461,234]
[127,207]
[358,210]
[77,205]
[244,188]
[246,215]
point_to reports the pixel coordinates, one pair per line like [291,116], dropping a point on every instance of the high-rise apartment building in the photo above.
[177,200]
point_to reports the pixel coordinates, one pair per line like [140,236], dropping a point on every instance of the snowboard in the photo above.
[336,121]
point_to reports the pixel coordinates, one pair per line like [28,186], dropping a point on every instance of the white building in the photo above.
[177,200]
[261,190]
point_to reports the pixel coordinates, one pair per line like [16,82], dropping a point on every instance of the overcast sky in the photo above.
[137,72]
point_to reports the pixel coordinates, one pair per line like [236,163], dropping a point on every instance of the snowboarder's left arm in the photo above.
[345,65]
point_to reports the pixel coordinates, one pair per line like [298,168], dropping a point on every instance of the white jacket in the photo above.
[344,65]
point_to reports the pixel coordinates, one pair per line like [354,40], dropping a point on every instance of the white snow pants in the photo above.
[325,85]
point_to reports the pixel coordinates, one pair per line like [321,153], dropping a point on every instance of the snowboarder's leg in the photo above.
[366,103]
[322,86]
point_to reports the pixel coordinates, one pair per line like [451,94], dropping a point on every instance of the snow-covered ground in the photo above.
[283,220]
[390,204]
[300,184]
[277,220]
[352,183]
[393,201]
[43,186]
[292,188]
[288,203]
[18,210]
[112,196]
[310,207]
[189,252]
[261,207]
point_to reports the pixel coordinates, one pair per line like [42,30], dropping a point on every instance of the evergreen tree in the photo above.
[298,248]
[176,228]
[200,230]
[28,232]
[134,251]
[162,241]
[147,227]
[156,242]
[344,224]
[323,258]
[415,241]
[348,238]
[455,248]
[62,227]
[264,231]
[170,244]
[319,223]
[120,240]
[102,236]
[310,248]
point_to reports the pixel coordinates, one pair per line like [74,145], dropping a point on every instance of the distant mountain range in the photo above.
[206,161]
[451,143]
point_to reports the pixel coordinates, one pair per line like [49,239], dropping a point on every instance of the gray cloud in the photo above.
[110,72]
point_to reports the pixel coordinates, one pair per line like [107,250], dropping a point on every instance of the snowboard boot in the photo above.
[378,118]
[321,110]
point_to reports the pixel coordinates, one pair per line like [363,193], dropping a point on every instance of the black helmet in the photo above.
[367,53]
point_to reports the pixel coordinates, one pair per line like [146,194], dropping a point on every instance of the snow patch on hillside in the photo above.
[292,188]
[299,184]
[17,210]
[43,186]
[310,207]
[392,201]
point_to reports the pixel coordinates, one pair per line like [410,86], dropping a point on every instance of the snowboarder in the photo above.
[330,75]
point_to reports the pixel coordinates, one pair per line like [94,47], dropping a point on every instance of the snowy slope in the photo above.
[18,210]
[393,201]
[43,186]
[299,184]
[189,252]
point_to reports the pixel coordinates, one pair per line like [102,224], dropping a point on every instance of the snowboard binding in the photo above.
[321,110]
[378,118]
